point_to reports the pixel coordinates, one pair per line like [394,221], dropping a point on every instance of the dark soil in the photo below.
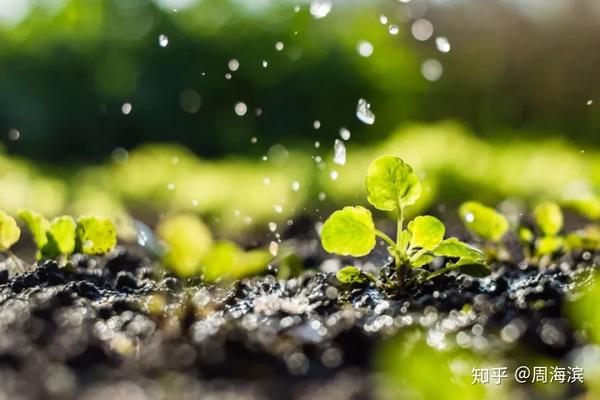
[117,327]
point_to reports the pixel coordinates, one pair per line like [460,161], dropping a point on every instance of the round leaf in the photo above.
[548,245]
[38,226]
[392,184]
[9,231]
[61,237]
[426,232]
[549,218]
[483,221]
[349,231]
[188,241]
[95,235]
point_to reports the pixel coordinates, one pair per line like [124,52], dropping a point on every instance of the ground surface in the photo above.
[113,327]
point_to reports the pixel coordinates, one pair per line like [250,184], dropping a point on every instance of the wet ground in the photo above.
[118,327]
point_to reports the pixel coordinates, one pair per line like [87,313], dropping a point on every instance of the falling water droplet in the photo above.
[163,40]
[228,76]
[589,102]
[339,152]
[393,29]
[295,186]
[320,8]
[279,46]
[265,64]
[266,181]
[364,113]
[233,65]
[344,133]
[126,108]
[442,44]
[383,19]
[333,175]
[317,124]
[278,208]
[253,140]
[273,248]
[317,144]
[272,226]
[364,48]
[14,134]
[241,108]
[296,8]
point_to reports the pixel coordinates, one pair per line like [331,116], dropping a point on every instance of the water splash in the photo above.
[339,152]
[364,113]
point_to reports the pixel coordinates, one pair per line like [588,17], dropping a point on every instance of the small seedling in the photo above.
[191,251]
[487,224]
[392,186]
[9,235]
[549,220]
[62,237]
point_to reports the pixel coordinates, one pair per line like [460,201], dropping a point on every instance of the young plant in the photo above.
[487,224]
[9,235]
[549,220]
[392,186]
[62,237]
[191,251]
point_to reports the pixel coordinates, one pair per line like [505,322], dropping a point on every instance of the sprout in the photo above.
[95,236]
[9,232]
[392,185]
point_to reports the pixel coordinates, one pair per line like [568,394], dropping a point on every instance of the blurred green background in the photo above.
[487,100]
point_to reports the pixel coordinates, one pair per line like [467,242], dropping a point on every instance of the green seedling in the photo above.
[62,237]
[549,220]
[191,251]
[392,186]
[9,235]
[486,224]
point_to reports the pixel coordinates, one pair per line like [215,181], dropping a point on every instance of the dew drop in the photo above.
[320,8]
[364,113]
[339,152]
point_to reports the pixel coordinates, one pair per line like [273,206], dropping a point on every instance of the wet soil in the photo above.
[119,327]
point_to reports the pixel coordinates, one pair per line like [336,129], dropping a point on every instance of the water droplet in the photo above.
[14,134]
[393,29]
[272,226]
[228,76]
[273,248]
[190,101]
[322,196]
[339,152]
[364,48]
[264,158]
[258,111]
[241,109]
[318,159]
[163,40]
[171,186]
[344,133]
[320,8]
[120,155]
[265,64]
[317,144]
[317,124]
[126,108]
[253,140]
[278,208]
[279,46]
[422,29]
[589,102]
[432,69]
[364,113]
[296,8]
[266,181]
[333,175]
[233,65]
[442,44]
[383,19]
[295,186]
[470,217]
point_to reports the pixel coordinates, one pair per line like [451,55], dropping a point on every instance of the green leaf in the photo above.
[548,245]
[472,267]
[454,248]
[349,275]
[95,235]
[525,234]
[589,207]
[349,231]
[422,260]
[60,237]
[586,239]
[392,184]
[426,232]
[38,226]
[225,260]
[483,221]
[188,240]
[9,231]
[549,218]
